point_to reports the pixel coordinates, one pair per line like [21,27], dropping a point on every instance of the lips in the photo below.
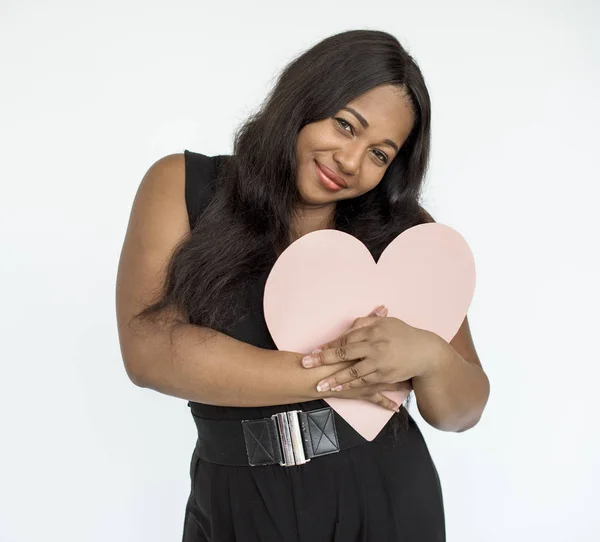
[334,177]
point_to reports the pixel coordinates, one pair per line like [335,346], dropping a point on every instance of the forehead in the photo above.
[387,110]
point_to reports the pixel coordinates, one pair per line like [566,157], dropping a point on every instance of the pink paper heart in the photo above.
[326,279]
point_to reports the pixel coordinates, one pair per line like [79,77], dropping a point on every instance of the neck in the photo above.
[308,220]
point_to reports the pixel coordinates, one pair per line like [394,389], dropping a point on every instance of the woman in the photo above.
[203,235]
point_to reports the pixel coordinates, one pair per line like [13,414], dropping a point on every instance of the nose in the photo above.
[348,159]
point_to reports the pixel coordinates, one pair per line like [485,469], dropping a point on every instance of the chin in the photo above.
[311,198]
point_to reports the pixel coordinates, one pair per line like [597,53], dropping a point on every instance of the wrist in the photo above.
[312,376]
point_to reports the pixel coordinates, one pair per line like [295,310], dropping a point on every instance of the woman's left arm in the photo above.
[449,383]
[452,394]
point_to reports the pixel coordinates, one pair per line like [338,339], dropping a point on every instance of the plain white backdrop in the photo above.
[92,93]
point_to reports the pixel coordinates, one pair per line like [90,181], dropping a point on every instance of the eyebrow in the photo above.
[365,124]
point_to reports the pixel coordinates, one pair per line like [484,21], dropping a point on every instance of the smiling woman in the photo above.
[351,160]
[341,142]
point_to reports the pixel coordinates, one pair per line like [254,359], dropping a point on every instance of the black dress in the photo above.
[380,491]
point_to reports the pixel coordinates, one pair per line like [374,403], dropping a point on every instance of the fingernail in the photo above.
[381,311]
[317,350]
[307,361]
[323,386]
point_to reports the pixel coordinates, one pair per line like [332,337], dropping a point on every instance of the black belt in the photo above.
[288,438]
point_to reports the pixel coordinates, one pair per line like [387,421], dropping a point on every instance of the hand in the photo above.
[386,350]
[373,393]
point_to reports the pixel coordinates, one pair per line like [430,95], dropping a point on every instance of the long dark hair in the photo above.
[248,221]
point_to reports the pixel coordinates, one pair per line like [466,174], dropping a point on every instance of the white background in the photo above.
[93,93]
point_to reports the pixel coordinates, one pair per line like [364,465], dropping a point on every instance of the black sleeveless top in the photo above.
[201,174]
[384,490]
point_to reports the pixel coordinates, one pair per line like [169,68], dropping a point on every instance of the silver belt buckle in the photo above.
[290,438]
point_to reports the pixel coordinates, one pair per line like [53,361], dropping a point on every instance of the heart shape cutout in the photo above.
[326,279]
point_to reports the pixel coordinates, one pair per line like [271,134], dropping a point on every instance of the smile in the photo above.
[326,181]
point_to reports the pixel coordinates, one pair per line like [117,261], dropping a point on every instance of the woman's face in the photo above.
[359,154]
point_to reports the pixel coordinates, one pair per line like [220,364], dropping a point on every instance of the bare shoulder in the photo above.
[166,176]
[159,212]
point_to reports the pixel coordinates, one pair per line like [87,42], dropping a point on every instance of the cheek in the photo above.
[314,137]
[304,149]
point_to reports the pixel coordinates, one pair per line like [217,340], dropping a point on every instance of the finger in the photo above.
[379,311]
[368,379]
[351,335]
[383,401]
[361,323]
[372,379]
[365,321]
[352,348]
[353,372]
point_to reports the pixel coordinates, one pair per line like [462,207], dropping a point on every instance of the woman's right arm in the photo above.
[181,359]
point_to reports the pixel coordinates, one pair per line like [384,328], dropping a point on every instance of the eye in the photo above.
[382,157]
[340,120]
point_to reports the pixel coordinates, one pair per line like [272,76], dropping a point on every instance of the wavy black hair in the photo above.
[248,221]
